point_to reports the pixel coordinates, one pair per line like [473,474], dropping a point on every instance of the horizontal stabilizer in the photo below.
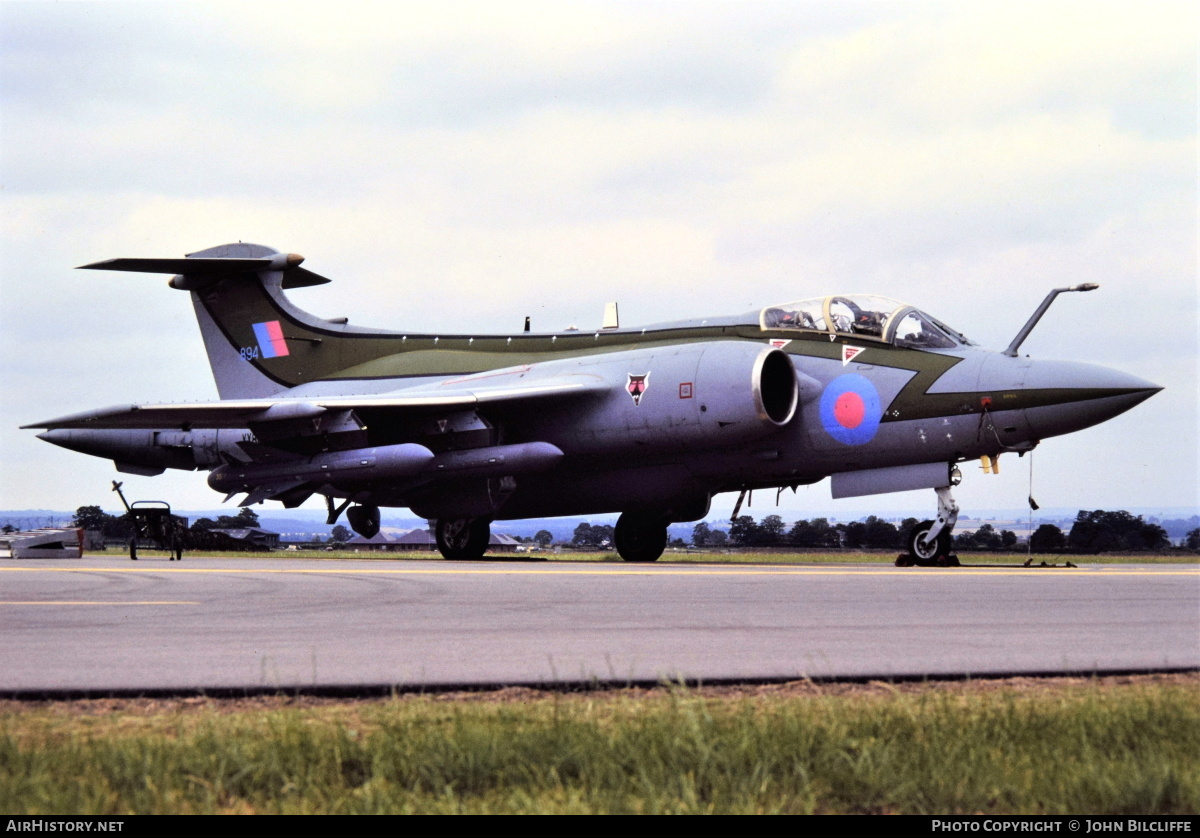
[294,276]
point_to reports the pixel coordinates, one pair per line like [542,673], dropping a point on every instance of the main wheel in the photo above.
[640,536]
[921,548]
[463,538]
[133,549]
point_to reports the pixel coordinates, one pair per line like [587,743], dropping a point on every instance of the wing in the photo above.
[488,388]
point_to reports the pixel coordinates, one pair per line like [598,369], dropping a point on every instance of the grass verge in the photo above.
[1107,746]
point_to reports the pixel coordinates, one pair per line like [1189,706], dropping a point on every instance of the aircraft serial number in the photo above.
[249,353]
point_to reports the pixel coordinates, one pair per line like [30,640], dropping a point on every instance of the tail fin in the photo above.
[258,343]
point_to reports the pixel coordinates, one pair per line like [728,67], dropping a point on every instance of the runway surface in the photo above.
[107,624]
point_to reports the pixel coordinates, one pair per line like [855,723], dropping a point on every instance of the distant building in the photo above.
[252,537]
[423,541]
[382,541]
[501,543]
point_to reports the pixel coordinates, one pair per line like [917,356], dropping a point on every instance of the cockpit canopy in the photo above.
[867,316]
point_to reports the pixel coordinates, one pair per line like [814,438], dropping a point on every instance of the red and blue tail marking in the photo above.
[270,339]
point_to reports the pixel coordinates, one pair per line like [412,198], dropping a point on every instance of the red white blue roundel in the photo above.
[850,409]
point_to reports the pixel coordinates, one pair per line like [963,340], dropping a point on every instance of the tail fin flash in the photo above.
[258,343]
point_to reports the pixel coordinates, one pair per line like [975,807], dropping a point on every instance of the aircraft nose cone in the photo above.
[1068,396]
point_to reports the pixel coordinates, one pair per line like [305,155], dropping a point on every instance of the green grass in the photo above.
[1086,749]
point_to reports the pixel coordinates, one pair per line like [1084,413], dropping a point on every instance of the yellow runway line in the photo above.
[659,571]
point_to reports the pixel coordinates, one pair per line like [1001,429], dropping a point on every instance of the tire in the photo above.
[133,549]
[640,536]
[924,551]
[462,539]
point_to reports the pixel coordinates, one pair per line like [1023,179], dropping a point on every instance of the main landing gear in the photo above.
[640,536]
[463,538]
[929,542]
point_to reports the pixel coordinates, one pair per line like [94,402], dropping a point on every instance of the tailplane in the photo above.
[258,343]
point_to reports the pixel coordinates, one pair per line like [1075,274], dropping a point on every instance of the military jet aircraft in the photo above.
[647,422]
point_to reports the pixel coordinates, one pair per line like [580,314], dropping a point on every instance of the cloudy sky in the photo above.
[456,162]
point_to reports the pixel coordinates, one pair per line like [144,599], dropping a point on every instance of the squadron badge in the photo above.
[637,386]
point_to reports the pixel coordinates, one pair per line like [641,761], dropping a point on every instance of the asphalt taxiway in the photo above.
[108,625]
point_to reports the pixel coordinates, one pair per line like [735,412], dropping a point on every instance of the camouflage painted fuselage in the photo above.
[657,418]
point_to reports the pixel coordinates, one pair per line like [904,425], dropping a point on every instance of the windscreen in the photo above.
[863,315]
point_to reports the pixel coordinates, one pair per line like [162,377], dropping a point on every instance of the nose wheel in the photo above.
[929,542]
[925,549]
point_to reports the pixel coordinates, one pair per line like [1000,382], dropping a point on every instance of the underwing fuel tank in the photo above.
[389,462]
[384,463]
[143,452]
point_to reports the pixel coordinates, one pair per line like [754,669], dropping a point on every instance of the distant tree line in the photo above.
[588,535]
[1106,532]
[97,520]
[1095,531]
[1092,532]
[772,531]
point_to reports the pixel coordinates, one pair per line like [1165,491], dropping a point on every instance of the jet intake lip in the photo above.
[776,389]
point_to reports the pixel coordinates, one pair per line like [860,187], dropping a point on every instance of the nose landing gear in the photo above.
[929,542]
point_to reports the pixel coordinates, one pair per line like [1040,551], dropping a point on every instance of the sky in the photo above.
[460,163]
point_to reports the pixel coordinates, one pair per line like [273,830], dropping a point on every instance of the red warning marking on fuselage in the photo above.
[849,353]
[779,343]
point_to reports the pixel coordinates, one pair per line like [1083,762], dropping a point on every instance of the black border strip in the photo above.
[561,686]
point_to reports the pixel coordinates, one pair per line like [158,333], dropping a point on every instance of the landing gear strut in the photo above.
[640,536]
[463,538]
[929,542]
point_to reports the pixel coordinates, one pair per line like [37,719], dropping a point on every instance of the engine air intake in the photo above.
[775,386]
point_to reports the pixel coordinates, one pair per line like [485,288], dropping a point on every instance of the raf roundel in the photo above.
[850,409]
